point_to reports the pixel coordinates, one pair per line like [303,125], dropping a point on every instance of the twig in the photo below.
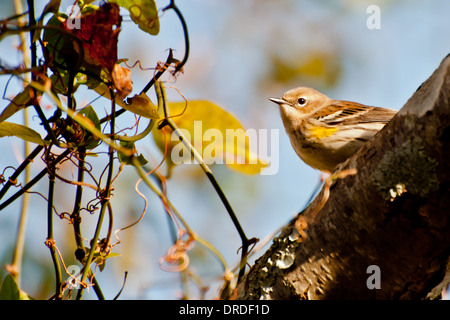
[75,216]
[138,136]
[16,262]
[50,242]
[19,170]
[32,23]
[30,184]
[179,64]
[104,204]
[245,241]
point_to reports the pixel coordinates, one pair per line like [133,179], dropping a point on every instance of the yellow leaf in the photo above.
[215,133]
[143,12]
[138,104]
[8,129]
[321,67]
[142,105]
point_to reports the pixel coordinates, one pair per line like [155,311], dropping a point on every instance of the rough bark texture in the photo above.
[393,213]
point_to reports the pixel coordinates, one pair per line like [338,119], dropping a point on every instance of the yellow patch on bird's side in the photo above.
[321,132]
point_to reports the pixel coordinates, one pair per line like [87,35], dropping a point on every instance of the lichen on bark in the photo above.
[406,169]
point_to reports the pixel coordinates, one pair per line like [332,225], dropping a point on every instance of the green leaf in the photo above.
[86,6]
[100,259]
[20,131]
[19,102]
[90,114]
[60,83]
[10,290]
[52,6]
[143,12]
[125,159]
[58,45]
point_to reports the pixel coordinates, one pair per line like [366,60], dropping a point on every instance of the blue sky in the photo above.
[229,64]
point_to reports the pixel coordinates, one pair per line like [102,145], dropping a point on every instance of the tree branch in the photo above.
[394,214]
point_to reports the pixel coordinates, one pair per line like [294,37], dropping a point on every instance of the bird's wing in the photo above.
[351,113]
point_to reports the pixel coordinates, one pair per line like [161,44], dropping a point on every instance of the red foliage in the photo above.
[99,31]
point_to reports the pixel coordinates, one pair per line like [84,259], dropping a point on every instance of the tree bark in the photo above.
[393,215]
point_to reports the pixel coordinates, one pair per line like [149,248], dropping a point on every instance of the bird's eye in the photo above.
[302,101]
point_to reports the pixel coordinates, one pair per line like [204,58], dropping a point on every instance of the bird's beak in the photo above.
[278,101]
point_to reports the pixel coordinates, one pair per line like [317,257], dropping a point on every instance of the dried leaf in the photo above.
[99,31]
[121,78]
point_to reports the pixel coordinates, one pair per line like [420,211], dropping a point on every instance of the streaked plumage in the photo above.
[325,132]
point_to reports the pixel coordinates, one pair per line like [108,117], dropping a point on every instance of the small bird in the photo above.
[325,132]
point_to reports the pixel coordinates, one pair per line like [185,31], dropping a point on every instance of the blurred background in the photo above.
[241,53]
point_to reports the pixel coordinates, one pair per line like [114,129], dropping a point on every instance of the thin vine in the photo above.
[73,133]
